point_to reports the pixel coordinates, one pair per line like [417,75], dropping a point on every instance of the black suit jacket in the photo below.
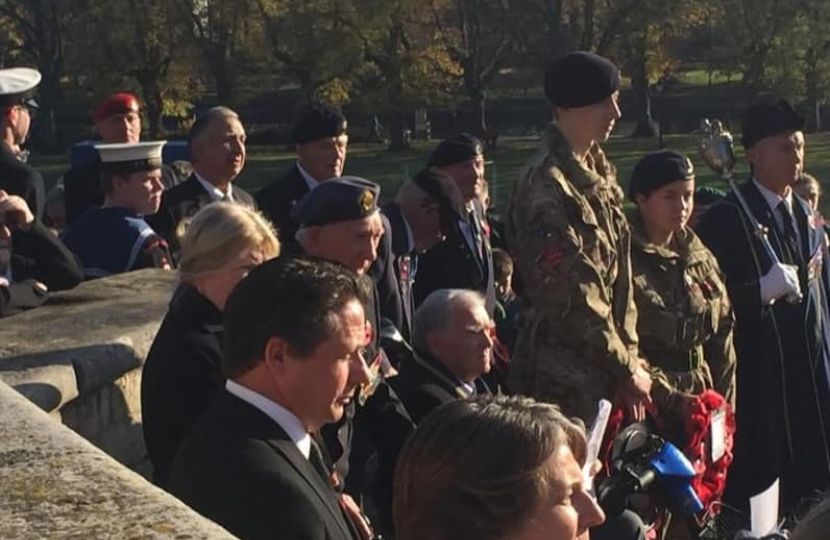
[277,199]
[240,469]
[391,271]
[424,384]
[183,201]
[38,254]
[18,178]
[182,375]
[452,264]
[783,350]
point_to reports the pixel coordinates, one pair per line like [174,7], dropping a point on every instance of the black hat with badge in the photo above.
[17,86]
[318,122]
[659,169]
[456,149]
[766,119]
[340,199]
[579,78]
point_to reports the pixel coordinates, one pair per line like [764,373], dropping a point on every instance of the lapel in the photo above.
[812,237]
[402,258]
[763,213]
[296,187]
[279,441]
[439,374]
[196,198]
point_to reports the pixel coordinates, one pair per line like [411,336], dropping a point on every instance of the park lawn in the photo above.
[389,169]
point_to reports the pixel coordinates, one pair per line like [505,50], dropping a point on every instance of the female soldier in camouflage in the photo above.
[685,317]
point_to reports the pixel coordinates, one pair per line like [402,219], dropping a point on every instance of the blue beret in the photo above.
[339,199]
[318,122]
[763,120]
[579,79]
[659,169]
[456,149]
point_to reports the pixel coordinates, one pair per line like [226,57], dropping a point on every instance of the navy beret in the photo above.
[441,188]
[579,79]
[456,149]
[318,122]
[339,199]
[766,119]
[659,169]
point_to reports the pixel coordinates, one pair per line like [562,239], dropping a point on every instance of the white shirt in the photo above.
[214,192]
[773,200]
[276,412]
[310,181]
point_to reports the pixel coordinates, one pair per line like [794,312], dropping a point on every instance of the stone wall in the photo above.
[55,485]
[79,357]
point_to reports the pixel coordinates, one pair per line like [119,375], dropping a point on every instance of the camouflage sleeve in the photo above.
[563,282]
[720,352]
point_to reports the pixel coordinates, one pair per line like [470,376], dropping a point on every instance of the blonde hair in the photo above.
[218,233]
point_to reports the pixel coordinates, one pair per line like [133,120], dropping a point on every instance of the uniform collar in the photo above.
[594,172]
[310,181]
[773,199]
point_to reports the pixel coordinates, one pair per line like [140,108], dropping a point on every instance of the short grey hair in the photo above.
[434,312]
[204,120]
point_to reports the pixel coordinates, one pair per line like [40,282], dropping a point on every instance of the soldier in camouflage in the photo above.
[577,340]
[685,319]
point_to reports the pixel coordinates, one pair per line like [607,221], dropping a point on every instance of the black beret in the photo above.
[766,119]
[708,195]
[441,188]
[659,169]
[456,149]
[339,199]
[579,79]
[318,122]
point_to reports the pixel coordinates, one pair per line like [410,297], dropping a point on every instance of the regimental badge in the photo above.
[815,266]
[405,274]
[367,201]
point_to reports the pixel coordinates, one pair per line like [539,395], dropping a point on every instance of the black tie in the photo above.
[315,457]
[789,231]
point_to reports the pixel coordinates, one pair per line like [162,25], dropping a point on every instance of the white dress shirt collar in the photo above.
[214,192]
[279,414]
[774,199]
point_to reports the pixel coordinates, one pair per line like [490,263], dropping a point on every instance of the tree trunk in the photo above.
[397,126]
[811,83]
[640,85]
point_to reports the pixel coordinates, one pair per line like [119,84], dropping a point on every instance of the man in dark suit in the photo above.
[321,142]
[782,338]
[463,260]
[454,345]
[217,149]
[118,120]
[32,260]
[424,210]
[17,85]
[341,222]
[294,339]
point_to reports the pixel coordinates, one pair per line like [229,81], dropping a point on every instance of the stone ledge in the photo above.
[57,485]
[84,339]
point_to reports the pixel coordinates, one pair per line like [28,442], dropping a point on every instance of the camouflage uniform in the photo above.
[685,318]
[571,242]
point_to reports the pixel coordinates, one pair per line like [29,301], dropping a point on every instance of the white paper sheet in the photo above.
[763,511]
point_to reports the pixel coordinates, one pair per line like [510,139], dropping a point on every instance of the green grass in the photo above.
[389,168]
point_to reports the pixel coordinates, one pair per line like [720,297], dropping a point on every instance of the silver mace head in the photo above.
[716,148]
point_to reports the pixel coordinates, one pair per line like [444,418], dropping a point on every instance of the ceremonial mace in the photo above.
[715,147]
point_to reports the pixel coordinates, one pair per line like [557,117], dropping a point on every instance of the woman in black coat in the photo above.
[183,370]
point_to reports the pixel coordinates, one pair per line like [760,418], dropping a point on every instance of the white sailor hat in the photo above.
[130,157]
[17,86]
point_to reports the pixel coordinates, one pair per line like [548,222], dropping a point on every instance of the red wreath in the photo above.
[710,478]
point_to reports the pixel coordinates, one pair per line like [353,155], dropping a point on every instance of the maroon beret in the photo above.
[120,103]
